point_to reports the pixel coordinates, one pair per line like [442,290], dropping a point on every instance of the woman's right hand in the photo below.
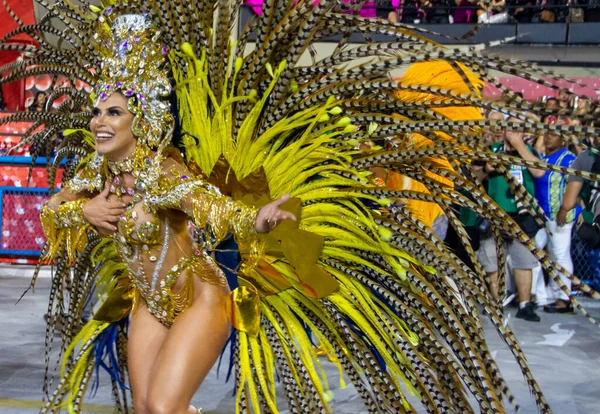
[102,213]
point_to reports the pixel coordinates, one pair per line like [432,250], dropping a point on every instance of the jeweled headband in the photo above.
[134,62]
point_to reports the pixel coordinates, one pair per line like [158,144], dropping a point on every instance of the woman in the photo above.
[166,365]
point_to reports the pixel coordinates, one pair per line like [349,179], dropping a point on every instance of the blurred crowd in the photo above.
[494,11]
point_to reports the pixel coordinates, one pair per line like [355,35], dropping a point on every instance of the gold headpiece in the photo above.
[134,62]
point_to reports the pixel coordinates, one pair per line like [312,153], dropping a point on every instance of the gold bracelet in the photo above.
[68,214]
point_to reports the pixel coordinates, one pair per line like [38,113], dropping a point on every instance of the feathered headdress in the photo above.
[134,63]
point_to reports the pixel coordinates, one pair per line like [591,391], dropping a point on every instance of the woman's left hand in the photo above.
[271,215]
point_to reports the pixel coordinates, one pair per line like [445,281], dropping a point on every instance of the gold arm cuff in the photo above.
[67,226]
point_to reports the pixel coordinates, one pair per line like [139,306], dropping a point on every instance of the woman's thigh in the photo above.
[193,344]
[146,337]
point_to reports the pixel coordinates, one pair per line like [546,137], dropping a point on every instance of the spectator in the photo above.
[592,11]
[522,10]
[522,259]
[471,223]
[552,11]
[465,12]
[436,11]
[552,104]
[39,102]
[588,229]
[498,134]
[573,147]
[565,99]
[493,11]
[549,192]
[412,12]
[584,107]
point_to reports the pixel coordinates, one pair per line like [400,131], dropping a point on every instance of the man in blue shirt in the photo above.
[549,192]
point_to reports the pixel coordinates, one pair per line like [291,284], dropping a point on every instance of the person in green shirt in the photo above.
[522,259]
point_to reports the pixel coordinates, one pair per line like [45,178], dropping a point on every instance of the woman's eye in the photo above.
[95,112]
[114,112]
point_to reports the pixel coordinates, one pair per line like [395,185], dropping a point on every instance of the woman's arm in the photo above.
[68,209]
[208,207]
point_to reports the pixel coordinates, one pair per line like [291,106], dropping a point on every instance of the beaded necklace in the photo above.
[136,165]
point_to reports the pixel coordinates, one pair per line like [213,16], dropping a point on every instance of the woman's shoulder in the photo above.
[173,164]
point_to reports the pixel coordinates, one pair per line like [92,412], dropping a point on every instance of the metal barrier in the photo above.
[22,233]
[585,260]
[22,237]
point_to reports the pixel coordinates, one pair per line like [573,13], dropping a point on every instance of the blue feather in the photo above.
[105,353]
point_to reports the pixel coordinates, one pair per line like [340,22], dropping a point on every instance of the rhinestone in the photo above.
[153,258]
[157,298]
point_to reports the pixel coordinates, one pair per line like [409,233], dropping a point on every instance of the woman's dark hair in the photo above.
[177,133]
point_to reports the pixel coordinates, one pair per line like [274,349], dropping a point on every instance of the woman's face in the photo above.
[111,127]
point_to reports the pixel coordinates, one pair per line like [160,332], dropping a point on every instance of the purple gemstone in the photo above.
[103,95]
[118,84]
[109,10]
[107,87]
[124,45]
[165,50]
[130,191]
[136,39]
[116,181]
[184,177]
[144,107]
[128,93]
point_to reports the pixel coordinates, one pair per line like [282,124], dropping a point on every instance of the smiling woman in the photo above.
[111,127]
[138,191]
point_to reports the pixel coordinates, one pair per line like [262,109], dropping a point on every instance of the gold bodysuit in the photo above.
[154,237]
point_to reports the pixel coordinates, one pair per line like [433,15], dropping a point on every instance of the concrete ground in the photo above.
[563,352]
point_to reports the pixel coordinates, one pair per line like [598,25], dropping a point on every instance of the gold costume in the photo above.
[154,238]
